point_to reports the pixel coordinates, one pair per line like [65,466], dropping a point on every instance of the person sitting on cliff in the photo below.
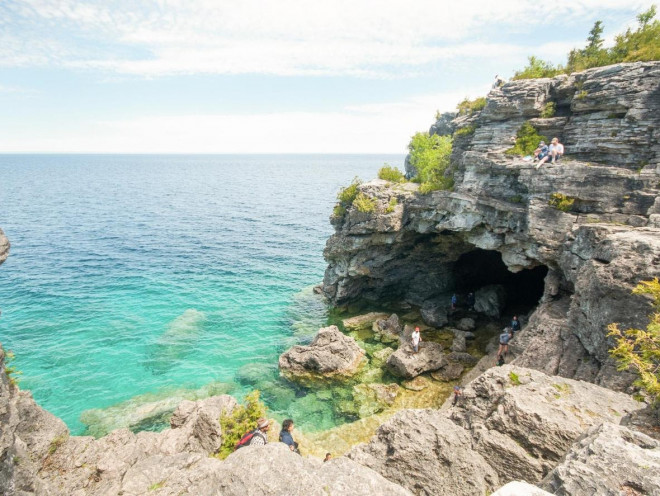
[260,436]
[328,457]
[505,337]
[515,326]
[286,437]
[541,151]
[415,340]
[498,81]
[555,152]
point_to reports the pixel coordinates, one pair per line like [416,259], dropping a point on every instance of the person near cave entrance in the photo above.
[503,350]
[470,301]
[454,301]
[515,326]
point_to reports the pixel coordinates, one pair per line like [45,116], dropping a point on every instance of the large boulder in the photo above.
[274,469]
[387,330]
[363,322]
[609,460]
[404,363]
[434,314]
[330,356]
[490,300]
[426,453]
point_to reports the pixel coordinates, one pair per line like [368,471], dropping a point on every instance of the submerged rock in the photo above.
[363,322]
[330,356]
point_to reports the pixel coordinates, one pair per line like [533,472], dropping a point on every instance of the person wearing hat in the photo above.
[541,151]
[261,433]
[415,338]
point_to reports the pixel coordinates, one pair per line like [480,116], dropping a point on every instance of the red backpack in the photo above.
[245,440]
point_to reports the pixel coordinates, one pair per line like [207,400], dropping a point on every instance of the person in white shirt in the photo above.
[415,340]
[555,152]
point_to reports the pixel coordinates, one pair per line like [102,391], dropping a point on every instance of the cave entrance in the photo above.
[479,268]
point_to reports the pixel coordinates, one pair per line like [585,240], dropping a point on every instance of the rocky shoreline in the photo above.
[558,420]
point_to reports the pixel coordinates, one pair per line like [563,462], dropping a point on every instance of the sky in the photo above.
[256,76]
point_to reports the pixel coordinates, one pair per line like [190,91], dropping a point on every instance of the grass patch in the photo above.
[527,139]
[469,107]
[516,199]
[391,174]
[513,377]
[561,202]
[346,196]
[364,204]
[157,485]
[563,388]
[581,95]
[465,131]
[391,206]
[11,371]
[241,420]
[56,443]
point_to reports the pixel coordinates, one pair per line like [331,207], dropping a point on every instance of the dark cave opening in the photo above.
[479,268]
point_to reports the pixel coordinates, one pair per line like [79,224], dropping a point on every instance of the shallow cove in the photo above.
[141,275]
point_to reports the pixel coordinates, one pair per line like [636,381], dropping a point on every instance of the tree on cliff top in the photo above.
[632,46]
[639,349]
[429,155]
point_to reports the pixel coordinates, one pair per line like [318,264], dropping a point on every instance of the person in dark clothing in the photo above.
[457,395]
[515,325]
[286,437]
[470,300]
[454,301]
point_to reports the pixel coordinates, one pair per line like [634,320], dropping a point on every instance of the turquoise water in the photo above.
[147,274]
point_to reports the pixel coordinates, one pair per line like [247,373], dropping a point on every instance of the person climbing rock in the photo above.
[505,337]
[458,393]
[415,339]
[515,326]
[286,437]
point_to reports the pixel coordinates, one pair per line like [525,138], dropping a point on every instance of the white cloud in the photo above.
[373,128]
[289,37]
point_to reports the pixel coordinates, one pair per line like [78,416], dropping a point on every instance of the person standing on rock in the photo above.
[515,326]
[415,339]
[454,301]
[505,337]
[286,437]
[457,395]
[470,301]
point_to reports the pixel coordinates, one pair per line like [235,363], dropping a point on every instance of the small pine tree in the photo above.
[241,420]
[639,349]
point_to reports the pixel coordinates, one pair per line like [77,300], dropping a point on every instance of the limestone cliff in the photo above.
[499,224]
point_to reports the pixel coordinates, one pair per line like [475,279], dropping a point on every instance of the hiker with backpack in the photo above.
[256,437]
[505,337]
[286,437]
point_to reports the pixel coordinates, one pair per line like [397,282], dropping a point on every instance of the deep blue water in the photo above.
[147,274]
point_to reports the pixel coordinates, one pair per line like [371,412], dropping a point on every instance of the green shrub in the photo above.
[469,107]
[527,139]
[537,68]
[581,95]
[10,370]
[561,202]
[515,380]
[548,110]
[516,199]
[391,174]
[364,204]
[241,420]
[443,183]
[430,155]
[390,207]
[466,130]
[639,349]
[347,194]
[56,443]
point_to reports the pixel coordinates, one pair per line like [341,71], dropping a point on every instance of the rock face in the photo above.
[609,460]
[511,424]
[331,355]
[387,330]
[4,247]
[589,255]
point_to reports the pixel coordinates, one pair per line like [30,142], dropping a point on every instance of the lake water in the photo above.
[144,276]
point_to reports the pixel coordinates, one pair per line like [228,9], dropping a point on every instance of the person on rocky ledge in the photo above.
[503,350]
[514,325]
[555,152]
[415,339]
[286,437]
[257,437]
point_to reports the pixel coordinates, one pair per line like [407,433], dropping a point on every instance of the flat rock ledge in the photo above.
[404,363]
[511,424]
[330,356]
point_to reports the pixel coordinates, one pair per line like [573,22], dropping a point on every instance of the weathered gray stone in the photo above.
[466,324]
[4,247]
[520,488]
[434,314]
[490,300]
[609,460]
[387,330]
[362,322]
[330,356]
[404,363]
